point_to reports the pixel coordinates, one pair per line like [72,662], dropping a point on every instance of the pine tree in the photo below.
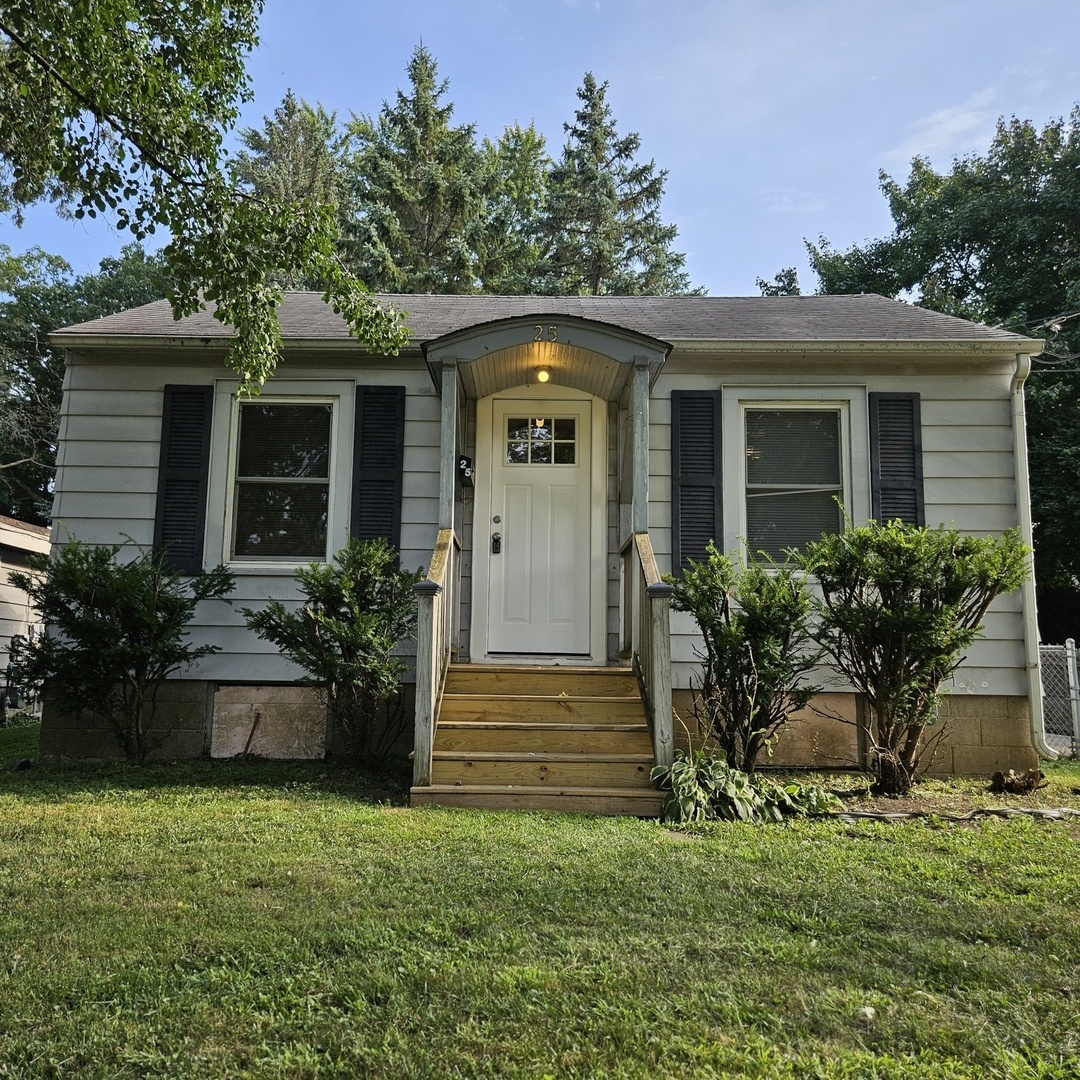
[298,156]
[417,186]
[602,219]
[511,242]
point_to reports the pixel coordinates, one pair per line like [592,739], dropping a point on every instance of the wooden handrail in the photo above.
[643,543]
[436,603]
[647,602]
[440,557]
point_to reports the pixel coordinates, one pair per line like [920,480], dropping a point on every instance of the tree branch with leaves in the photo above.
[120,108]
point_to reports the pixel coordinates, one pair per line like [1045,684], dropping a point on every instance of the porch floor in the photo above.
[542,738]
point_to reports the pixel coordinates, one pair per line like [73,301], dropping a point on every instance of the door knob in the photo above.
[496,543]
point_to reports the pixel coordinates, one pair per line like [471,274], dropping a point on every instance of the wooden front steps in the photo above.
[542,738]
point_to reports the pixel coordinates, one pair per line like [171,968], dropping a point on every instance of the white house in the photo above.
[549,459]
[17,616]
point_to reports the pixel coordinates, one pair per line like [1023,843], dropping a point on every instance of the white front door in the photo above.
[535,540]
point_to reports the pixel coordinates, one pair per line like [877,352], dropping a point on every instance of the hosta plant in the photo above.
[702,786]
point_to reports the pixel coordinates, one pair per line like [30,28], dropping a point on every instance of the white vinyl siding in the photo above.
[111,424]
[967,465]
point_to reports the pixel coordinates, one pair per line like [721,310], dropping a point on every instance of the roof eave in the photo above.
[906,346]
[164,341]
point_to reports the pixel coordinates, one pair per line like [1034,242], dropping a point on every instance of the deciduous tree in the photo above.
[120,108]
[996,238]
[39,295]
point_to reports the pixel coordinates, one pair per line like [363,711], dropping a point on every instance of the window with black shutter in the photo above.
[696,480]
[183,473]
[378,463]
[896,475]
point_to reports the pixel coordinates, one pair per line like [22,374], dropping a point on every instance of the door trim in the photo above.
[485,447]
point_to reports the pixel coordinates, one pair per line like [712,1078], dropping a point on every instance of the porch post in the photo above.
[640,510]
[448,453]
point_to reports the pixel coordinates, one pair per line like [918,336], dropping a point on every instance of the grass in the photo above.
[221,919]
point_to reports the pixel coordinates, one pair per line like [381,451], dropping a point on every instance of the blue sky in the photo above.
[772,119]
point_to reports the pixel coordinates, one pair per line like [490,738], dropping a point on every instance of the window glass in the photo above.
[541,440]
[794,477]
[282,481]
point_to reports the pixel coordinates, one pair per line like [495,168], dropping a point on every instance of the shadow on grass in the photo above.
[55,781]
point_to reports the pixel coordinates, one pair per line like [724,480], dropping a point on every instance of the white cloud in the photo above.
[791,201]
[949,132]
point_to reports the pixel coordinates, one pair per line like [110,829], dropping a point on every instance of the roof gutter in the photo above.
[1027,590]
[683,345]
[154,341]
[982,347]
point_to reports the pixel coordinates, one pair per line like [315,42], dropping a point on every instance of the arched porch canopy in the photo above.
[586,355]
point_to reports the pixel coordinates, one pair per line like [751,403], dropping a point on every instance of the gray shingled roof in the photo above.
[862,317]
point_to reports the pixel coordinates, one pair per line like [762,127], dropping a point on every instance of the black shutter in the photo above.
[378,460]
[896,475]
[696,482]
[183,471]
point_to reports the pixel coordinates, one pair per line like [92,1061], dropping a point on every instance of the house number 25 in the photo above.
[546,333]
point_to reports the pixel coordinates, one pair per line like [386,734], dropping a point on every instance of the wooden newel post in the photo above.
[427,663]
[659,597]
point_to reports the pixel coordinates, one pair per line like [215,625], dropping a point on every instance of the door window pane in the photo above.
[541,440]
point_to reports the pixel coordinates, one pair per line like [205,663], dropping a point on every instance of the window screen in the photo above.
[282,481]
[794,477]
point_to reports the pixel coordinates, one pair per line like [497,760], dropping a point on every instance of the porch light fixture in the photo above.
[542,374]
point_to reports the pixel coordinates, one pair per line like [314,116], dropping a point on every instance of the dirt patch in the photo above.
[957,796]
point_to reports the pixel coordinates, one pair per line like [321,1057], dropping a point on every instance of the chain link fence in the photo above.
[1061,697]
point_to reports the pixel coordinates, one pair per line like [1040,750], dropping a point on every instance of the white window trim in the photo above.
[224,445]
[854,440]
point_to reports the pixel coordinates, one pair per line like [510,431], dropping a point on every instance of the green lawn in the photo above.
[266,920]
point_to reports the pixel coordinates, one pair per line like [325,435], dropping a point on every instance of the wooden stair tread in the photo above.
[533,789]
[537,756]
[532,669]
[542,737]
[535,725]
[608,699]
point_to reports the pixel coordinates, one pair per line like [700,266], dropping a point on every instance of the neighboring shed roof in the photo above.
[864,317]
[23,536]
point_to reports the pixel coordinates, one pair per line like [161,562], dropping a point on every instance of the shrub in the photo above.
[757,650]
[18,718]
[359,607]
[899,606]
[700,786]
[116,630]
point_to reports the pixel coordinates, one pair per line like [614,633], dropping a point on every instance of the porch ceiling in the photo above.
[578,353]
[569,365]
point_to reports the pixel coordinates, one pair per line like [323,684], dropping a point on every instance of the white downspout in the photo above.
[1027,590]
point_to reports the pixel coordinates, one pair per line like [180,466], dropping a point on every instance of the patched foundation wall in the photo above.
[983,734]
[809,739]
[181,723]
[275,721]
